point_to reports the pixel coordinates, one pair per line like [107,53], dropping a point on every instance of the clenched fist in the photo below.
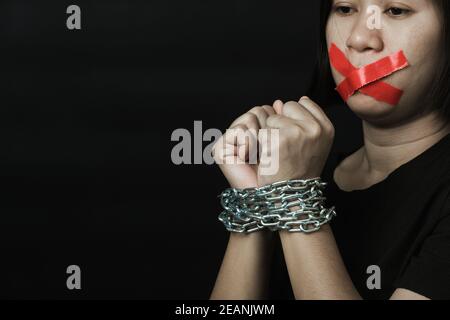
[294,138]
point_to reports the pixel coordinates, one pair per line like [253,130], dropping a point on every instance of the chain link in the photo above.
[291,205]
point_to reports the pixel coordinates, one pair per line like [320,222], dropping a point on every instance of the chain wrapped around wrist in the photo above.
[291,205]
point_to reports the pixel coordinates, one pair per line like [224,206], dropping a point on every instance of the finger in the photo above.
[268,141]
[230,149]
[248,132]
[223,150]
[296,111]
[250,120]
[244,139]
[231,134]
[317,112]
[269,163]
[278,106]
[262,113]
[281,122]
[269,109]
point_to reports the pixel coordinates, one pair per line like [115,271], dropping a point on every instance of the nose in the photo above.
[363,39]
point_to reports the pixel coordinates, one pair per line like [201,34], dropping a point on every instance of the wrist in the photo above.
[293,205]
[263,235]
[284,234]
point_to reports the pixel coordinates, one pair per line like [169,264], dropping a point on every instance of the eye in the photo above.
[397,12]
[344,10]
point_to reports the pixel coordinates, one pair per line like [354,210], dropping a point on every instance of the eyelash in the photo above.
[403,12]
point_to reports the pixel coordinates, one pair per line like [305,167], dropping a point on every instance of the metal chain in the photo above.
[291,205]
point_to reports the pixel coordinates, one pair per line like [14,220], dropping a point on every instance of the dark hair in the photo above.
[322,85]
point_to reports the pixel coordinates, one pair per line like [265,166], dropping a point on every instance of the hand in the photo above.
[305,139]
[232,151]
[302,144]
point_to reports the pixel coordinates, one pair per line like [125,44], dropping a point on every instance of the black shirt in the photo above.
[401,225]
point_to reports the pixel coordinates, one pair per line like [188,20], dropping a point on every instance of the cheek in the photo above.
[330,36]
[422,49]
[337,31]
[334,36]
[416,79]
[337,77]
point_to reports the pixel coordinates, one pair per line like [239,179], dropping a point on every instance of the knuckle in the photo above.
[250,118]
[272,118]
[283,140]
[297,132]
[331,130]
[291,103]
[217,151]
[314,130]
[269,110]
[290,133]
[237,127]
[256,110]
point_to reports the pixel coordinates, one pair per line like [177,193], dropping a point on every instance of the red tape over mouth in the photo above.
[367,79]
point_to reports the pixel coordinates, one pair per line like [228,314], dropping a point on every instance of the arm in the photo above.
[316,269]
[245,267]
[315,266]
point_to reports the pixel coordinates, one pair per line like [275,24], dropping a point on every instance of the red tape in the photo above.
[367,79]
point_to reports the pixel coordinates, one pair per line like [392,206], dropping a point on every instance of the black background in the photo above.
[86,120]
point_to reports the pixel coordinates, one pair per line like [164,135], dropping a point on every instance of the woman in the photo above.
[392,195]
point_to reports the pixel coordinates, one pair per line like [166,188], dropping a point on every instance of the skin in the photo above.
[392,137]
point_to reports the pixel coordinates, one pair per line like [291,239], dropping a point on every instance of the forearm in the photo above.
[315,266]
[245,267]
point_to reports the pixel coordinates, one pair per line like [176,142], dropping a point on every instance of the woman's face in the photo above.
[413,26]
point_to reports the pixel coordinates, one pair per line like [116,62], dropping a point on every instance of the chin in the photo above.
[369,109]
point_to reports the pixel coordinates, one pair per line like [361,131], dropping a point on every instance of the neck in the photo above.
[386,149]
